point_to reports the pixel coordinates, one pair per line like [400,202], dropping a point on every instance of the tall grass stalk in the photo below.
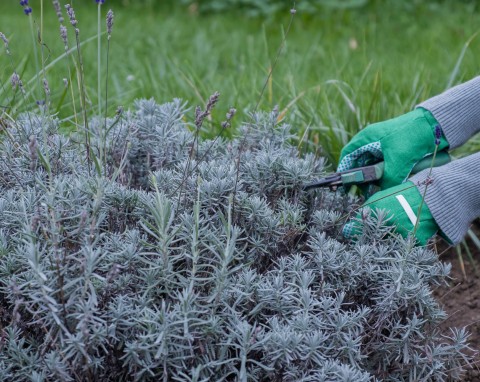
[34,40]
[109,21]
[99,57]
[80,75]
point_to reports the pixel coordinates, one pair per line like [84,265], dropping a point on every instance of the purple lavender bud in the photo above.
[438,135]
[231,113]
[15,80]
[100,1]
[63,34]
[109,22]
[58,10]
[4,39]
[229,116]
[27,10]
[71,15]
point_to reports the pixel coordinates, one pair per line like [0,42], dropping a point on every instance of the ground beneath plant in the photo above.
[461,300]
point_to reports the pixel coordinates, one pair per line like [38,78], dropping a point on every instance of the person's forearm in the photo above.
[453,197]
[457,110]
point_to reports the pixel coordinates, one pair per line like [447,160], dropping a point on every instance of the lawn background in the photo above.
[340,69]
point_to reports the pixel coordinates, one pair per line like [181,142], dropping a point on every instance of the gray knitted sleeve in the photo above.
[453,197]
[458,111]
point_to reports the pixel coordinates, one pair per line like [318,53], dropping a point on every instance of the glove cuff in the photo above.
[458,111]
[452,195]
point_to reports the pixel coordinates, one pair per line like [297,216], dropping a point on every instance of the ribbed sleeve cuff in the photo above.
[457,110]
[453,196]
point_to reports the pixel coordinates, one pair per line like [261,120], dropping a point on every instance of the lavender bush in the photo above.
[163,264]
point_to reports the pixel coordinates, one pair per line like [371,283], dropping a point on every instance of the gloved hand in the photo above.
[402,202]
[400,142]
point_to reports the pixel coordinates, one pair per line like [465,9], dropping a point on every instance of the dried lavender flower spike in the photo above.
[199,117]
[46,88]
[32,148]
[212,101]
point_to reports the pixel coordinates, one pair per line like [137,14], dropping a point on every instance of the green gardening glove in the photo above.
[400,142]
[402,203]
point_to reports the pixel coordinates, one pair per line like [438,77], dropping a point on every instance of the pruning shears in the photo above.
[371,174]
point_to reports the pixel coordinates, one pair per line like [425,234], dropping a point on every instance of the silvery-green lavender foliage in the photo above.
[170,267]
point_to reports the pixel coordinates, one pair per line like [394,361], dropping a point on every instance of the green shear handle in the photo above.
[373,173]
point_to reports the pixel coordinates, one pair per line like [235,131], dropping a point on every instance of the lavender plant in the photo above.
[113,276]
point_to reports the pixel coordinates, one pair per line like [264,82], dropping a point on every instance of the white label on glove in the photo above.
[408,210]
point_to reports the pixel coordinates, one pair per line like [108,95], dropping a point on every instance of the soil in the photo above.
[461,300]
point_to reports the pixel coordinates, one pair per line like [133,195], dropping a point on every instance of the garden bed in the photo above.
[461,301]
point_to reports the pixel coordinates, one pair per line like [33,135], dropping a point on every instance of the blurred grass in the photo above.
[341,68]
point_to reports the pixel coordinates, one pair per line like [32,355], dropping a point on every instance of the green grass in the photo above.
[404,54]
